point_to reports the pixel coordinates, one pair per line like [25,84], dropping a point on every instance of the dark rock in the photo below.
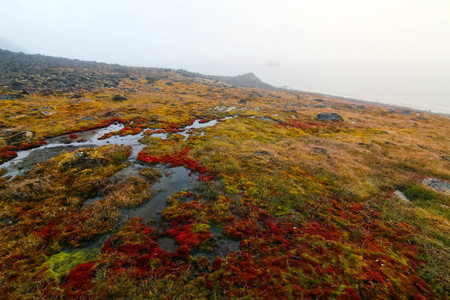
[360,107]
[6,221]
[83,161]
[437,185]
[76,96]
[17,137]
[16,85]
[406,112]
[290,110]
[150,80]
[242,101]
[333,117]
[319,106]
[262,153]
[320,150]
[24,92]
[255,95]
[445,158]
[169,83]
[119,98]
[87,118]
[11,97]
[109,114]
[318,100]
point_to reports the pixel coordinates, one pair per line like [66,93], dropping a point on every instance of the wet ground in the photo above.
[173,179]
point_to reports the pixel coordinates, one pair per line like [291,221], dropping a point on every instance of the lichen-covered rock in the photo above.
[17,137]
[437,185]
[333,117]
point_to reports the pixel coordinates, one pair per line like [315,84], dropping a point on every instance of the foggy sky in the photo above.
[171,33]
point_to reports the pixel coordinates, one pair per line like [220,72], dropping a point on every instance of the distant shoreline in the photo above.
[373,103]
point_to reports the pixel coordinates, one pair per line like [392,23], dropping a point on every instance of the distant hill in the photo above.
[244,80]
[26,73]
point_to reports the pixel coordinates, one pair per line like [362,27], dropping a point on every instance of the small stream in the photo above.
[173,179]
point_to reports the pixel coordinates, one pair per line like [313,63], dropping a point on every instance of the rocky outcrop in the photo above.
[23,74]
[13,137]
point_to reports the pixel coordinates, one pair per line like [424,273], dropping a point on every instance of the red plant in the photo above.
[79,280]
[176,160]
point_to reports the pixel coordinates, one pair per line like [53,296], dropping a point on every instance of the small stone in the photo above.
[401,196]
[87,118]
[319,150]
[46,113]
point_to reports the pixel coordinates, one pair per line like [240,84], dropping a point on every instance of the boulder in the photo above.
[119,98]
[333,117]
[437,185]
[17,137]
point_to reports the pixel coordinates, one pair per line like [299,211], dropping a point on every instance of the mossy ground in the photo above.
[312,224]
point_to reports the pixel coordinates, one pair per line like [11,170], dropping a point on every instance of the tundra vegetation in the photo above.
[311,203]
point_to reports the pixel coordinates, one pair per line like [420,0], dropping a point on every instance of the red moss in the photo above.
[7,155]
[79,280]
[177,159]
[9,152]
[185,236]
[206,177]
[102,124]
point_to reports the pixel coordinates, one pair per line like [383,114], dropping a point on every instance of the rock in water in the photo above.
[333,117]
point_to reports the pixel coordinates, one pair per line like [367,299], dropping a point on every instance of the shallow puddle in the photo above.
[168,244]
[222,248]
[177,179]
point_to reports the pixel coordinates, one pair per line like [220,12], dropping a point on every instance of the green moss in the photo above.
[59,264]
